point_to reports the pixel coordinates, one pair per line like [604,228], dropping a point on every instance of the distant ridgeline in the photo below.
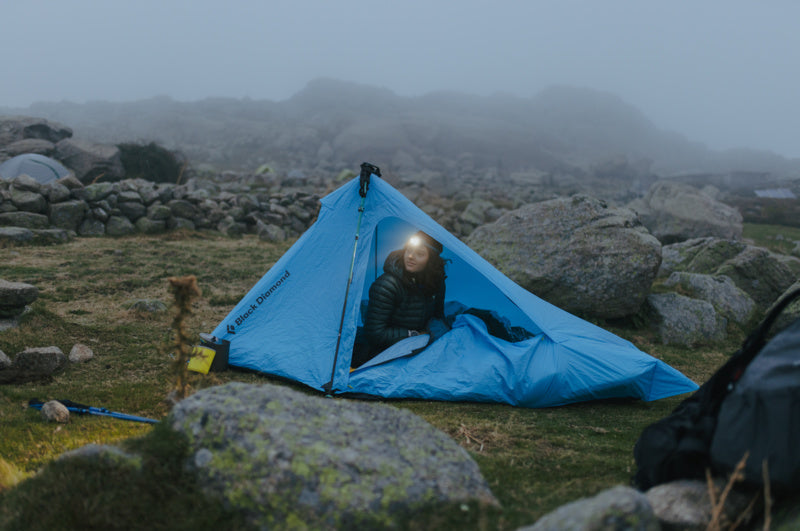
[330,125]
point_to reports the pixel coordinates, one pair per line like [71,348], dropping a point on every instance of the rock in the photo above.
[132,210]
[29,145]
[119,226]
[790,313]
[230,227]
[477,212]
[147,306]
[616,508]
[729,301]
[269,232]
[314,462]
[95,192]
[685,321]
[25,220]
[577,253]
[760,273]
[68,214]
[15,235]
[39,361]
[105,453]
[158,212]
[26,183]
[764,275]
[51,236]
[71,182]
[56,192]
[14,296]
[5,361]
[92,227]
[182,209]
[55,411]
[180,224]
[80,353]
[150,226]
[686,505]
[28,201]
[675,212]
[15,128]
[699,255]
[90,161]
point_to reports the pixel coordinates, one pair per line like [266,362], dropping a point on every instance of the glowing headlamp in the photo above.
[416,241]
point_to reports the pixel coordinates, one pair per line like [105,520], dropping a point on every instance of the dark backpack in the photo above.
[679,446]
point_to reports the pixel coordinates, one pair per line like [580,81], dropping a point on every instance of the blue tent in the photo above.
[294,322]
[43,169]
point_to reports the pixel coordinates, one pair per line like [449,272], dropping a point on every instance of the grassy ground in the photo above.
[778,238]
[534,460]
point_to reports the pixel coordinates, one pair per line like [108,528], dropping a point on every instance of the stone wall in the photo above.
[140,206]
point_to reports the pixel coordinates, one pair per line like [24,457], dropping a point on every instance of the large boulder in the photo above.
[15,128]
[91,161]
[674,212]
[577,253]
[759,272]
[287,459]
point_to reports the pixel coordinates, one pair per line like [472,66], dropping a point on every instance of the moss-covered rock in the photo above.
[762,274]
[281,457]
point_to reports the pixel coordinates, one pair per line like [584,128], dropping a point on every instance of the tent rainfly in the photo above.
[43,169]
[300,320]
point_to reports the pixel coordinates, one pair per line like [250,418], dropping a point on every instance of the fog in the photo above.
[720,72]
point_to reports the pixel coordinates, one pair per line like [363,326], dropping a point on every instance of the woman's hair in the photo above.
[432,277]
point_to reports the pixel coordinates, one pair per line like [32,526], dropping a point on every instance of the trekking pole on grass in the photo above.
[89,410]
[367,170]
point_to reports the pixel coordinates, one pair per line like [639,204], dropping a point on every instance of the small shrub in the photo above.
[152,162]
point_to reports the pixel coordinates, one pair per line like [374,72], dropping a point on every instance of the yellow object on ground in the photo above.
[201,359]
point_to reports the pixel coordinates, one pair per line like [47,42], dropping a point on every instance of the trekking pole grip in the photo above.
[367,169]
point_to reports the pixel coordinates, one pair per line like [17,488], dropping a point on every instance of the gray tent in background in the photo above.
[43,169]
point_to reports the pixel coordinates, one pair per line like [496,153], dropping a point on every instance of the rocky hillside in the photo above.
[332,125]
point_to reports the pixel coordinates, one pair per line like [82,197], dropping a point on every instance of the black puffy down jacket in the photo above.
[397,305]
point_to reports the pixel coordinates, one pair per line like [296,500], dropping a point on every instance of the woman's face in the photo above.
[415,258]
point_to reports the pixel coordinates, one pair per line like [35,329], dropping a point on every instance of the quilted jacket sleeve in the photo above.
[385,295]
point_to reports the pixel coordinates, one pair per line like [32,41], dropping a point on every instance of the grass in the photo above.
[534,459]
[777,238]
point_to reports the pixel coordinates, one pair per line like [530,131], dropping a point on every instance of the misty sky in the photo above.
[722,72]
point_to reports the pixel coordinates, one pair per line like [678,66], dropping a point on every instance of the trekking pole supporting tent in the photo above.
[367,170]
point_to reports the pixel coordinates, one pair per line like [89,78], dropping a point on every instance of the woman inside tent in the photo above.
[406,300]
